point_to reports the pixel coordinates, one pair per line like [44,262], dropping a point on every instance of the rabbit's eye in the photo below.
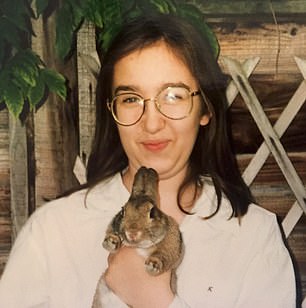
[152,212]
[122,212]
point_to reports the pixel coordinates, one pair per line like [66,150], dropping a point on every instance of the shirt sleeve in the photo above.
[270,278]
[24,280]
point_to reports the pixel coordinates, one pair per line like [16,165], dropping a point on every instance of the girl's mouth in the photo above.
[155,146]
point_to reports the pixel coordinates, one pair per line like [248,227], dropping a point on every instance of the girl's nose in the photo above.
[152,119]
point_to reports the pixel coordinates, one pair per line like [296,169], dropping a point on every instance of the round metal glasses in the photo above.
[174,103]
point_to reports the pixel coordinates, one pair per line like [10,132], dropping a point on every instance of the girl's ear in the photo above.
[204,120]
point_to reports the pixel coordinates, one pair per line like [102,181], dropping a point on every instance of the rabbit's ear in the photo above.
[146,183]
[151,184]
[139,184]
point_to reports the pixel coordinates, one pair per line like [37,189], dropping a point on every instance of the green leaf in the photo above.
[108,35]
[9,33]
[112,14]
[55,82]
[36,93]
[64,31]
[195,17]
[41,5]
[25,74]
[13,99]
[93,13]
[68,20]
[24,68]
[161,6]
[111,11]
[31,57]
[18,12]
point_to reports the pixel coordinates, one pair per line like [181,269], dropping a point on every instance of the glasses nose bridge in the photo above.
[151,99]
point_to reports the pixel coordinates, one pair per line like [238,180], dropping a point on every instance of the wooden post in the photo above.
[86,47]
[18,174]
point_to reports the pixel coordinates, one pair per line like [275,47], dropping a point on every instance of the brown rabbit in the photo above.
[141,224]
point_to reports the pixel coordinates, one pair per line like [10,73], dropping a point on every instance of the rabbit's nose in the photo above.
[133,236]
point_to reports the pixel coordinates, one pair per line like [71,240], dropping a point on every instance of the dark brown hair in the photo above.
[212,155]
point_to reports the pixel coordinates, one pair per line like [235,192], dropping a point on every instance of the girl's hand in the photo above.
[127,278]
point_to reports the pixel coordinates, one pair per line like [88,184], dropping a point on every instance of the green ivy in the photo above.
[24,79]
[108,16]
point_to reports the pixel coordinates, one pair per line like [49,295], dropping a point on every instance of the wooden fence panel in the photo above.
[272,142]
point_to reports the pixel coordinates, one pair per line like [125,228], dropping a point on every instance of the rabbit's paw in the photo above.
[154,266]
[112,242]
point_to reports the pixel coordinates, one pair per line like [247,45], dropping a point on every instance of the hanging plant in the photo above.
[24,79]
[108,16]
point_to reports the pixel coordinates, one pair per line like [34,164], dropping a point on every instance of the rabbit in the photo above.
[141,224]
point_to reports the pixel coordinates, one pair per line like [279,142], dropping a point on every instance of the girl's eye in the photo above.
[128,99]
[131,99]
[171,97]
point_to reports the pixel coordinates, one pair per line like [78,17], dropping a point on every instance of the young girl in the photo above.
[160,104]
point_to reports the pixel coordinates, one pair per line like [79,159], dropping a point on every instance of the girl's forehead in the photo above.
[157,63]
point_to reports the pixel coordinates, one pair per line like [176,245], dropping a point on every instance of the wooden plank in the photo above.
[275,45]
[55,121]
[86,46]
[302,65]
[18,175]
[267,131]
[248,67]
[270,173]
[79,170]
[292,218]
[280,127]
[274,97]
[5,202]
[248,9]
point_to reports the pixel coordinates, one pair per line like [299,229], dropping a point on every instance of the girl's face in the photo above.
[156,141]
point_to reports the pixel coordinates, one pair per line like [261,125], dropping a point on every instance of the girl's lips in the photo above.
[155,146]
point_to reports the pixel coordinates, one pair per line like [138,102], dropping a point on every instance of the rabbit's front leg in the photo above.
[112,242]
[155,264]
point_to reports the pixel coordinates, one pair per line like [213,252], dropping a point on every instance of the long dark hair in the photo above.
[212,155]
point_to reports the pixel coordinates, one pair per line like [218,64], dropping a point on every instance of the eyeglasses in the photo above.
[173,102]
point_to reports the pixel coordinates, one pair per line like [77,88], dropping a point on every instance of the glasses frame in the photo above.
[110,104]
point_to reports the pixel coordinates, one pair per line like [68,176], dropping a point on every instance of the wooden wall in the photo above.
[245,29]
[5,219]
[248,34]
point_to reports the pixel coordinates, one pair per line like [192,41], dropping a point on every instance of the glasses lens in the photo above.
[127,108]
[174,102]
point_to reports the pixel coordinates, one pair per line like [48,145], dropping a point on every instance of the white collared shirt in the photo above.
[58,256]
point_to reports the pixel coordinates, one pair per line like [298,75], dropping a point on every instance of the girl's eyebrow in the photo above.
[130,88]
[175,84]
[125,88]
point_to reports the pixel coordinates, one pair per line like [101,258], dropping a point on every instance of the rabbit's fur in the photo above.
[141,224]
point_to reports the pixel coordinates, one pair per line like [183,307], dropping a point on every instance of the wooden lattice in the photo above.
[240,73]
[271,134]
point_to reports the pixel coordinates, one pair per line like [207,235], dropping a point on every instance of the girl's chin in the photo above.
[167,172]
[160,169]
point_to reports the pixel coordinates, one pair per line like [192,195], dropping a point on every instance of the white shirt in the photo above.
[58,256]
